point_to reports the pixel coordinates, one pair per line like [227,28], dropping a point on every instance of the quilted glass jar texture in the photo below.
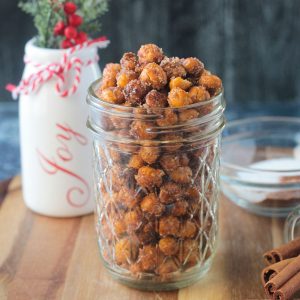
[156,191]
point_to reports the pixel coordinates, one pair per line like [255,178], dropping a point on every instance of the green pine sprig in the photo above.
[46,13]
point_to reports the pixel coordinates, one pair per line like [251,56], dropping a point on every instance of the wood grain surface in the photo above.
[49,258]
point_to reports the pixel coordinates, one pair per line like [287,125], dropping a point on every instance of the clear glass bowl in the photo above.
[260,164]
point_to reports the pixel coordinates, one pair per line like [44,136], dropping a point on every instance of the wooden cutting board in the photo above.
[49,258]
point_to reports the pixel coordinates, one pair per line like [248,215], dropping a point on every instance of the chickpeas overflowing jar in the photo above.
[156,124]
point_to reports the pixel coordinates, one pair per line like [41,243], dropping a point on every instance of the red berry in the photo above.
[59,28]
[66,44]
[70,32]
[81,37]
[75,20]
[70,8]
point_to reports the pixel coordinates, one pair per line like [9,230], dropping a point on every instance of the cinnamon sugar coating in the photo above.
[168,245]
[177,97]
[188,115]
[149,154]
[193,66]
[153,76]
[169,226]
[180,83]
[151,204]
[112,95]
[129,61]
[169,118]
[173,67]
[211,82]
[124,77]
[182,175]
[126,251]
[135,162]
[155,99]
[170,192]
[135,91]
[148,177]
[142,130]
[150,53]
[198,94]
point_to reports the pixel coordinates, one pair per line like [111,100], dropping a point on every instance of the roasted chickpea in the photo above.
[169,162]
[173,67]
[198,94]
[179,82]
[170,192]
[193,66]
[170,118]
[124,77]
[169,226]
[154,76]
[149,178]
[147,233]
[135,92]
[142,130]
[177,97]
[119,227]
[112,95]
[149,154]
[192,193]
[116,177]
[175,138]
[128,197]
[155,99]
[122,177]
[168,245]
[126,251]
[169,265]
[179,208]
[148,258]
[184,160]
[111,70]
[211,82]
[182,175]
[135,162]
[125,134]
[188,229]
[150,53]
[129,61]
[106,82]
[133,220]
[151,204]
[189,256]
[187,115]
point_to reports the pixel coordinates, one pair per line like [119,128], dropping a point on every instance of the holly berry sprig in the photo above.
[63,23]
[70,28]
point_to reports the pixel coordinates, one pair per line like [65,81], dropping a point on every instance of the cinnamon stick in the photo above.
[270,271]
[289,289]
[289,250]
[283,277]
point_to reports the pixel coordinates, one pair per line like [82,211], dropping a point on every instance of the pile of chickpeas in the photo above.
[154,211]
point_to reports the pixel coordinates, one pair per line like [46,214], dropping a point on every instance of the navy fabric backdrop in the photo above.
[253,45]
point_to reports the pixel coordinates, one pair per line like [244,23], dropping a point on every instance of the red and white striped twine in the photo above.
[60,71]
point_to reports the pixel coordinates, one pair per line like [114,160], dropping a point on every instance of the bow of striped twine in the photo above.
[61,70]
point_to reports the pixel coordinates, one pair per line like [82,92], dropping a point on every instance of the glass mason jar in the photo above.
[156,177]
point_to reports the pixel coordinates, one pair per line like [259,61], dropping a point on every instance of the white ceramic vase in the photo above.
[55,143]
